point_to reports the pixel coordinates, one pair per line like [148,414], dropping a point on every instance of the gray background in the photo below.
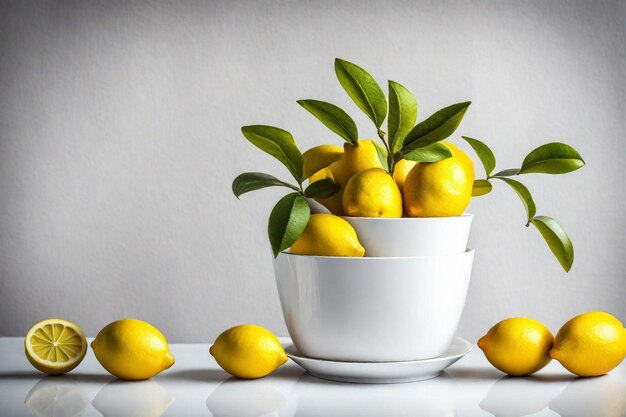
[119,139]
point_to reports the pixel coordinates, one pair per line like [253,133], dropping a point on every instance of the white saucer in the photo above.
[381,372]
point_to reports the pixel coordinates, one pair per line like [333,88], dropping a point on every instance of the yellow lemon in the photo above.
[248,351]
[439,189]
[328,235]
[401,170]
[132,349]
[55,346]
[355,158]
[517,346]
[332,203]
[590,344]
[319,157]
[372,193]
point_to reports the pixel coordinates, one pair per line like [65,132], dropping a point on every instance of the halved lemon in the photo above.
[55,346]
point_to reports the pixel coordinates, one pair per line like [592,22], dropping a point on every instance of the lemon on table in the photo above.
[517,346]
[439,189]
[328,235]
[401,170]
[248,351]
[372,193]
[55,346]
[590,344]
[132,349]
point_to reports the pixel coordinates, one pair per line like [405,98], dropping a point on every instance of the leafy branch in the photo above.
[291,213]
[551,158]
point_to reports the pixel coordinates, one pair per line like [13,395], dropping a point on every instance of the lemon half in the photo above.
[55,346]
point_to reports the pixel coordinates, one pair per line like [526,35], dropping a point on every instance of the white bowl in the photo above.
[372,309]
[412,236]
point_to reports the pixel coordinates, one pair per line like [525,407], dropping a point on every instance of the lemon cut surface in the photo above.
[55,346]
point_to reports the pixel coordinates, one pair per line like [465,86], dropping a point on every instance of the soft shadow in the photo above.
[198,375]
[600,396]
[132,398]
[435,397]
[519,396]
[56,397]
[245,398]
[469,373]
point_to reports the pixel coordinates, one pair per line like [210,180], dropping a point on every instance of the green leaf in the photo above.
[363,90]
[277,142]
[507,173]
[437,127]
[431,153]
[556,238]
[334,118]
[485,154]
[481,187]
[383,156]
[524,195]
[250,181]
[323,188]
[287,221]
[552,158]
[402,115]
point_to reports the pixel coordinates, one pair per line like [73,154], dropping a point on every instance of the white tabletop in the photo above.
[196,386]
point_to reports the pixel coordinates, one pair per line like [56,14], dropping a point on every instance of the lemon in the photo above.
[319,157]
[517,346]
[401,170]
[439,189]
[248,351]
[328,235]
[132,349]
[372,193]
[590,344]
[332,203]
[55,346]
[355,158]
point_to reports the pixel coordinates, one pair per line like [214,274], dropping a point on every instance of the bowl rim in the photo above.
[468,252]
[411,219]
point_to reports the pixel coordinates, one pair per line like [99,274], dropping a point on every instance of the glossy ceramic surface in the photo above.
[381,372]
[372,309]
[412,236]
[196,386]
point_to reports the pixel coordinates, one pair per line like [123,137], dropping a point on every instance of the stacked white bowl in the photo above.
[402,301]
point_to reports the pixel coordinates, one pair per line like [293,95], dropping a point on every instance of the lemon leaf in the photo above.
[507,172]
[481,187]
[251,181]
[552,158]
[485,154]
[431,153]
[383,156]
[277,142]
[524,195]
[323,188]
[363,90]
[557,240]
[402,114]
[287,221]
[334,118]
[437,127]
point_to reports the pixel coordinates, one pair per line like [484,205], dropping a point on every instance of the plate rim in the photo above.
[468,347]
